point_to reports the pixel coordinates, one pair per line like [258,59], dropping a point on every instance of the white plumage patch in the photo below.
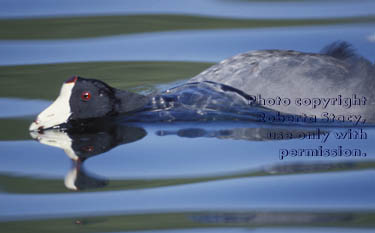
[57,113]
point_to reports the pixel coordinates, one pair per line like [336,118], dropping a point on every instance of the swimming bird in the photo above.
[334,85]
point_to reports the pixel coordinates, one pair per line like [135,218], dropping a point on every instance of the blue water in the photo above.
[289,192]
[221,8]
[190,157]
[192,45]
[13,107]
[311,184]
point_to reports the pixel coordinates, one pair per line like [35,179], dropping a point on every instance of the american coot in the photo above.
[335,85]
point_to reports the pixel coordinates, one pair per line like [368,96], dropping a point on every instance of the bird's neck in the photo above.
[127,101]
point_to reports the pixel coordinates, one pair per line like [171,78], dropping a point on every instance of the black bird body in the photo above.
[318,86]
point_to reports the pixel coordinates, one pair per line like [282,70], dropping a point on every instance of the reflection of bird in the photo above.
[90,141]
[78,179]
[80,146]
[244,133]
[229,88]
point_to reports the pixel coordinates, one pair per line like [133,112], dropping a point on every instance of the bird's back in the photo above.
[298,77]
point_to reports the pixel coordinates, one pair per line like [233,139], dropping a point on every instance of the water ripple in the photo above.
[198,45]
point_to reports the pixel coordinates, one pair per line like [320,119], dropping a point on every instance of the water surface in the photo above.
[204,46]
[222,8]
[222,176]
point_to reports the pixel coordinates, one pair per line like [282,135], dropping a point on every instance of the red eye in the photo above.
[85,96]
[88,148]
